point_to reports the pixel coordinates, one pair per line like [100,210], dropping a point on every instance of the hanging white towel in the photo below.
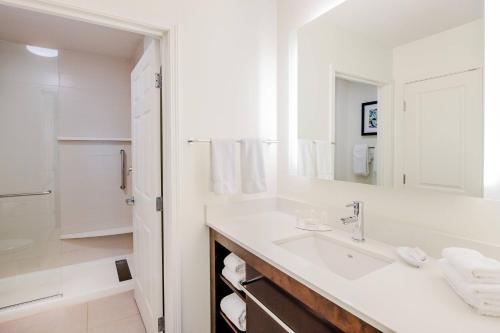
[323,159]
[235,310]
[233,277]
[472,265]
[234,263]
[483,306]
[223,157]
[360,166]
[306,159]
[253,171]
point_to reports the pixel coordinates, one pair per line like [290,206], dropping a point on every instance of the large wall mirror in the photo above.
[393,96]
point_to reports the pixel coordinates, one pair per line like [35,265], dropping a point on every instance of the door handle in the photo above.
[130,201]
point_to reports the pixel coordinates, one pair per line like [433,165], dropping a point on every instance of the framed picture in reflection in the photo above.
[369,113]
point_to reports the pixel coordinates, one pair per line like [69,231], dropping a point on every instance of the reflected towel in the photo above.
[472,265]
[483,305]
[323,159]
[360,165]
[235,310]
[253,171]
[306,163]
[223,158]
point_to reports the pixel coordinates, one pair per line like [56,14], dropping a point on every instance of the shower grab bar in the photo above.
[124,169]
[15,195]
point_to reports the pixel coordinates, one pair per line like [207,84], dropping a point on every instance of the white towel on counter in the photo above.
[235,263]
[483,306]
[306,163]
[323,159]
[235,310]
[233,277]
[223,158]
[472,265]
[253,171]
[360,165]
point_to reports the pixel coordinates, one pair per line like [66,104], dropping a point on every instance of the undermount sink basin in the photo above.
[337,257]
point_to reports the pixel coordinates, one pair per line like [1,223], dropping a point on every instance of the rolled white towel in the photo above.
[233,277]
[472,265]
[235,310]
[483,306]
[234,263]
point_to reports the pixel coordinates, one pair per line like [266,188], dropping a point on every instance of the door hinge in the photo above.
[161,324]
[404,179]
[158,80]
[159,204]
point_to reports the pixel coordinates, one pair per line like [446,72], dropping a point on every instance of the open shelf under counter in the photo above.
[91,139]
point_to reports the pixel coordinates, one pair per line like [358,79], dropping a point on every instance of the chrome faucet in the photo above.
[357,220]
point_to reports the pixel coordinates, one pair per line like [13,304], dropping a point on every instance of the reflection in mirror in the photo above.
[393,97]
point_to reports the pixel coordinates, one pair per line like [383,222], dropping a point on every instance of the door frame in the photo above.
[169,48]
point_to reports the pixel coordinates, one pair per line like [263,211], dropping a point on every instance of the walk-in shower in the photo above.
[29,233]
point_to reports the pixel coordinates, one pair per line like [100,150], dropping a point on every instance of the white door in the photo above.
[146,155]
[444,134]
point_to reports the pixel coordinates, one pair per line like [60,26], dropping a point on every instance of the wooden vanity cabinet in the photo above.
[301,309]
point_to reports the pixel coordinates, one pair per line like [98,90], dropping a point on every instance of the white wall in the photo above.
[227,89]
[469,218]
[349,96]
[93,102]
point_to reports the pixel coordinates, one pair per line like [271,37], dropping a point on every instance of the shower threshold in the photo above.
[79,283]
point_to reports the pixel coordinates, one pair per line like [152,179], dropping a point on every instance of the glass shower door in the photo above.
[30,250]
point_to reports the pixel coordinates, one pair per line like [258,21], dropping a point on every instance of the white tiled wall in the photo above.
[94,101]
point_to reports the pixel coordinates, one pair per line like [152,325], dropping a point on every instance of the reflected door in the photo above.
[444,134]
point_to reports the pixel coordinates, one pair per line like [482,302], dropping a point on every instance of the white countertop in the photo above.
[396,298]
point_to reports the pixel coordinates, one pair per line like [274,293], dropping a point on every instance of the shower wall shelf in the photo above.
[98,233]
[96,139]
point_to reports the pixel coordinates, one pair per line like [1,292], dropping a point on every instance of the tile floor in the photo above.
[114,314]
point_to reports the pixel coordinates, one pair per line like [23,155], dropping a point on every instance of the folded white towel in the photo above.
[235,263]
[324,160]
[253,171]
[483,306]
[233,277]
[235,310]
[473,265]
[306,163]
[360,166]
[223,158]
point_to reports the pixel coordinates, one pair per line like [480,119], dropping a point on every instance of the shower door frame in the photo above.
[171,142]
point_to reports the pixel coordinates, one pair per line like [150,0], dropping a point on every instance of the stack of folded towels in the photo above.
[232,305]
[474,277]
[234,270]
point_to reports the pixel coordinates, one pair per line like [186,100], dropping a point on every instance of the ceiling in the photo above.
[397,22]
[27,27]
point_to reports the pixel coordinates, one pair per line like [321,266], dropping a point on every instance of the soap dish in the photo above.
[413,256]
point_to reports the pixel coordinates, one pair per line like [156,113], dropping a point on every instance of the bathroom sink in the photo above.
[338,257]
